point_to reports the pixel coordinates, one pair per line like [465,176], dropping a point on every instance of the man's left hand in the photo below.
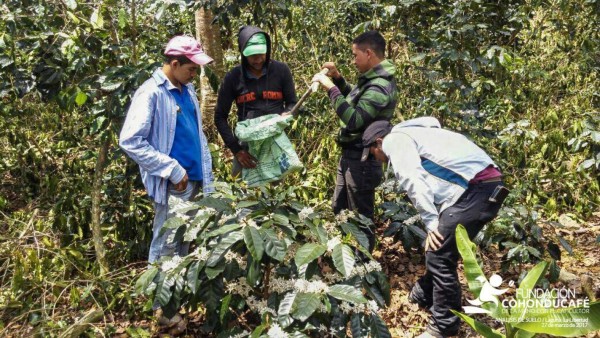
[433,241]
[323,80]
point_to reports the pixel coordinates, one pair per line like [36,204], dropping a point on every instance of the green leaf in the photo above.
[554,251]
[212,273]
[281,219]
[223,230]
[535,252]
[97,124]
[254,242]
[523,334]
[418,57]
[479,327]
[211,294]
[527,284]
[192,276]
[173,223]
[417,231]
[219,251]
[554,270]
[225,307]
[378,327]
[587,164]
[322,234]
[473,272]
[309,252]
[246,204]
[254,275]
[360,236]
[288,230]
[145,279]
[274,247]
[164,292]
[384,286]
[258,331]
[356,326]
[96,19]
[5,61]
[346,293]
[374,292]
[564,322]
[566,245]
[213,80]
[343,259]
[285,308]
[81,98]
[305,304]
[219,204]
[110,86]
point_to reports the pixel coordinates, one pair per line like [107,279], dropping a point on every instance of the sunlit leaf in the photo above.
[309,252]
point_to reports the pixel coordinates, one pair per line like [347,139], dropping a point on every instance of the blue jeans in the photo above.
[158,247]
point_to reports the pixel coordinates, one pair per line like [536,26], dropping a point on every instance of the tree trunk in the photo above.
[210,37]
[96,207]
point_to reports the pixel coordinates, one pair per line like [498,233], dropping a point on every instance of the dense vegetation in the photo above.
[519,77]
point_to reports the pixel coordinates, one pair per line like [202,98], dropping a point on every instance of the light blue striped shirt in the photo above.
[148,133]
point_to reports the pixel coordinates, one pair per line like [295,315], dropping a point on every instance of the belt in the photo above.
[495,179]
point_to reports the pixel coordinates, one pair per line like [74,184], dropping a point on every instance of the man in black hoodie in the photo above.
[259,86]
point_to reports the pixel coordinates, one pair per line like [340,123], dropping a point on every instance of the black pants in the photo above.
[439,288]
[355,187]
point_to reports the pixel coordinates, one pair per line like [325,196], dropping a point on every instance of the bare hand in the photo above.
[182,184]
[245,159]
[433,241]
[333,72]
[323,80]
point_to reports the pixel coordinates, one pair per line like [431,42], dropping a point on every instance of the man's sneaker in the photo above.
[412,298]
[431,332]
[169,322]
[426,335]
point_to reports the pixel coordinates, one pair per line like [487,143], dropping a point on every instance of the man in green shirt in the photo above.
[374,98]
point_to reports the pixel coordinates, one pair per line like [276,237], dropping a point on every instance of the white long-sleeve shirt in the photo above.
[433,165]
[148,133]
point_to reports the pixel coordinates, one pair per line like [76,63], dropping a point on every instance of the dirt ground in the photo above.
[407,320]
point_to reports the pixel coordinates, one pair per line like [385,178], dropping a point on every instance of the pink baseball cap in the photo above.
[189,47]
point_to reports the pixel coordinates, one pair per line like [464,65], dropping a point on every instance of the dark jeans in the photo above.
[439,288]
[355,187]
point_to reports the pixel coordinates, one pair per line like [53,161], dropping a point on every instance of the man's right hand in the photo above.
[182,184]
[332,70]
[245,159]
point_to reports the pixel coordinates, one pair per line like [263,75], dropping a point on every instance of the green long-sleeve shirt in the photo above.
[373,98]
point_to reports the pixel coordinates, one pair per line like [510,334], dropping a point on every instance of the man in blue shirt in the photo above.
[163,134]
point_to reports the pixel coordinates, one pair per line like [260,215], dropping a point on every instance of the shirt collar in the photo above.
[163,80]
[251,75]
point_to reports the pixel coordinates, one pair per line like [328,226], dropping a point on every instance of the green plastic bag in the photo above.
[269,144]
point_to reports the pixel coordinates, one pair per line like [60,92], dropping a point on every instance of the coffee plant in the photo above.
[269,264]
